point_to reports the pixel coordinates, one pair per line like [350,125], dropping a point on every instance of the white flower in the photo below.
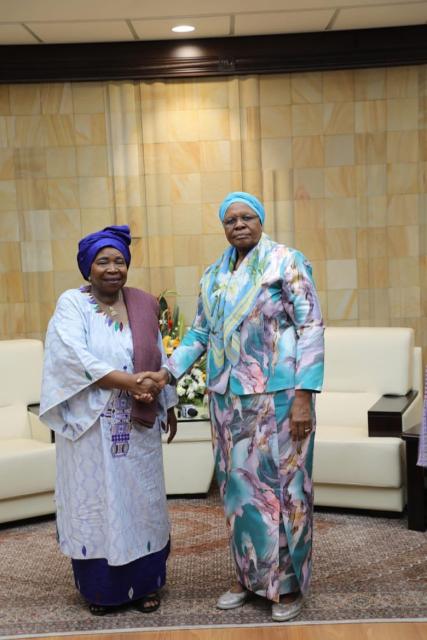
[192,386]
[198,377]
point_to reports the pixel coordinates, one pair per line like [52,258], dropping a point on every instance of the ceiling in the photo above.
[62,21]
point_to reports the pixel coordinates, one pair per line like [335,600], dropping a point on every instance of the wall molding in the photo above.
[319,51]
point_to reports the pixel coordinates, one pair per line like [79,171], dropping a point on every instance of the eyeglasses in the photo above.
[246,218]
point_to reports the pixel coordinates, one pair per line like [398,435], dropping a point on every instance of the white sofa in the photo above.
[370,373]
[27,456]
[188,459]
[351,468]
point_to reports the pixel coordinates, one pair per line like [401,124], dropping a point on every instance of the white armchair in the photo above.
[27,456]
[372,392]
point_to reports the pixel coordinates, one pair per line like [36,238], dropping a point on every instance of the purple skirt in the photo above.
[100,583]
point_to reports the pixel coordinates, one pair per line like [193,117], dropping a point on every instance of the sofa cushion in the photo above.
[192,431]
[370,359]
[26,467]
[347,456]
[14,422]
[344,409]
[21,371]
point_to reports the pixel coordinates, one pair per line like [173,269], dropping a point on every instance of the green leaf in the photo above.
[181,326]
[175,315]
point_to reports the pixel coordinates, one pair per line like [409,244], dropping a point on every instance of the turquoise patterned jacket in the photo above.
[281,338]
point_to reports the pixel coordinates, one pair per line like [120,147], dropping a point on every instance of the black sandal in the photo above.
[143,603]
[99,609]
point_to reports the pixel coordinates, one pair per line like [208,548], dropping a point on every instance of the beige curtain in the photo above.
[338,158]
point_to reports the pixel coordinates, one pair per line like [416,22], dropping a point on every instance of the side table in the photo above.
[415,481]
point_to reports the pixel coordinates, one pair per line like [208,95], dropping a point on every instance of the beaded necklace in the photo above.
[110,312]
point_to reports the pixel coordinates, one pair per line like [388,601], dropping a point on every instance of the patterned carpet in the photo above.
[364,568]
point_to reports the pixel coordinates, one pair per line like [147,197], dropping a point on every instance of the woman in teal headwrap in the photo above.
[259,320]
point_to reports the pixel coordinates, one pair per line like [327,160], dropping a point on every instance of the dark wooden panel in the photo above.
[415,483]
[214,56]
[385,416]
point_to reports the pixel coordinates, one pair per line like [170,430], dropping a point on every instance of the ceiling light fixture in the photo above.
[183,28]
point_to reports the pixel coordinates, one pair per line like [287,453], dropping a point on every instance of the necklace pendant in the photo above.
[113,312]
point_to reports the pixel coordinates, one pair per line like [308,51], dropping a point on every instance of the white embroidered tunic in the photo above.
[110,492]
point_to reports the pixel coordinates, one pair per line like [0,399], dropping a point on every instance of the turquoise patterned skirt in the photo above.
[265,483]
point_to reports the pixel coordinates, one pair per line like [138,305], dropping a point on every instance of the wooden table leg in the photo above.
[415,488]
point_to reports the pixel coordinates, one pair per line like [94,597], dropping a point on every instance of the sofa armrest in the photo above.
[39,431]
[385,417]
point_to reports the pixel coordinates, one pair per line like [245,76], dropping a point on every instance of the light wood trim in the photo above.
[360,631]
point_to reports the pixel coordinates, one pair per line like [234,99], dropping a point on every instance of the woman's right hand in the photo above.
[143,388]
[161,377]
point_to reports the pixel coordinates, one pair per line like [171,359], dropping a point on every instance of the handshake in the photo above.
[145,386]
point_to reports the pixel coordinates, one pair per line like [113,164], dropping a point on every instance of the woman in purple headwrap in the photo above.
[111,505]
[259,320]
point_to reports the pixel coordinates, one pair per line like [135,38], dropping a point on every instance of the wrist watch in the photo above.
[171,379]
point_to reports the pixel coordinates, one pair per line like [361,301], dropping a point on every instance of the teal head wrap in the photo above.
[246,198]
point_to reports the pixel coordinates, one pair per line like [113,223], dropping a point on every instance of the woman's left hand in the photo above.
[301,418]
[171,425]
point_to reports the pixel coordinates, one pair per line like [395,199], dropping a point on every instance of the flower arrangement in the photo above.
[171,323]
[191,388]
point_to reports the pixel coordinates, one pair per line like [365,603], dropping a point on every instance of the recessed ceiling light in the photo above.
[183,28]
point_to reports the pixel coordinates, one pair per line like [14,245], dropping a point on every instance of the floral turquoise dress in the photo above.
[262,329]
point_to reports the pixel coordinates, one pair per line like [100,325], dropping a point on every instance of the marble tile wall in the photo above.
[339,159]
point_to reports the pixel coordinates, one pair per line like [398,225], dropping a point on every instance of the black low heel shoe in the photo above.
[100,610]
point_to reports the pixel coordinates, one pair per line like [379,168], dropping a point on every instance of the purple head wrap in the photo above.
[117,236]
[246,198]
